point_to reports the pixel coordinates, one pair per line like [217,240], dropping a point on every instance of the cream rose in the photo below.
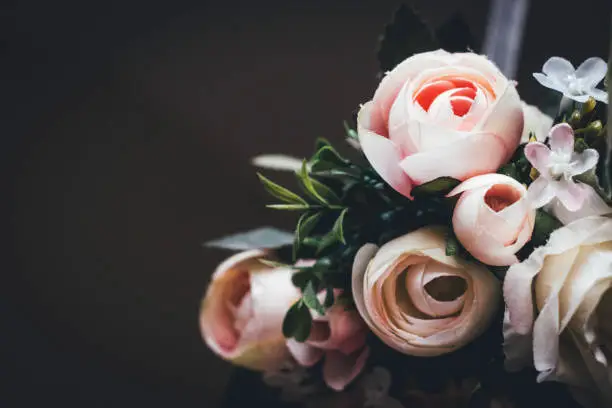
[420,301]
[493,218]
[570,336]
[243,310]
[440,114]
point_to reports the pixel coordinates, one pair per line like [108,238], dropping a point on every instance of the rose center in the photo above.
[446,288]
[501,196]
[460,100]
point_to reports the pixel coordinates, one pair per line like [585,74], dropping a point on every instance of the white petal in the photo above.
[584,161]
[550,83]
[558,67]
[592,71]
[600,95]
[592,205]
[540,192]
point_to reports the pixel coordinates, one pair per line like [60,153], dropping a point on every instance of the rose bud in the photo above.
[420,301]
[493,218]
[243,309]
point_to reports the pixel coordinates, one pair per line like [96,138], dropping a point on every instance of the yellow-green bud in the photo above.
[574,120]
[589,105]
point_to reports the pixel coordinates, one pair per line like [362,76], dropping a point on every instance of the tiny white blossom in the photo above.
[577,84]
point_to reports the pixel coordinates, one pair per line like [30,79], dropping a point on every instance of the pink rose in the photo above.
[440,114]
[243,310]
[420,301]
[340,338]
[493,218]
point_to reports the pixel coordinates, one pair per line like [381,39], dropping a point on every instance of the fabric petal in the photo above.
[535,122]
[584,161]
[339,369]
[550,83]
[382,153]
[540,192]
[593,205]
[572,195]
[562,138]
[303,353]
[558,67]
[592,71]
[517,347]
[538,154]
[599,94]
[475,154]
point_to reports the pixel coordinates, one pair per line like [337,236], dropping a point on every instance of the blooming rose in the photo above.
[570,337]
[417,299]
[340,338]
[493,219]
[243,310]
[440,114]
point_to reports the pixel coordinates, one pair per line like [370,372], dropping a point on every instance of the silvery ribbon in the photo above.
[504,34]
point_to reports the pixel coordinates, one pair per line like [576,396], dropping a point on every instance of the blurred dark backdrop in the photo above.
[127,128]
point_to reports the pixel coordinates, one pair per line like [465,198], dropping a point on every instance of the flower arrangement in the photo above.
[459,251]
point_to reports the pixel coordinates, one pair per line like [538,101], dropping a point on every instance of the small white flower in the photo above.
[577,84]
[557,165]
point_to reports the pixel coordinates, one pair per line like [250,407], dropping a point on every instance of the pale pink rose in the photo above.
[340,338]
[559,310]
[440,114]
[243,310]
[493,218]
[420,301]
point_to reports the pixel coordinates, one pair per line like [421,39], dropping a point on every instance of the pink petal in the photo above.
[584,161]
[541,192]
[475,154]
[360,265]
[538,155]
[571,194]
[383,154]
[303,353]
[339,369]
[593,205]
[562,138]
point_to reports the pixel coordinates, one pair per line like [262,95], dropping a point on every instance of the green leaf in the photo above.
[329,297]
[289,207]
[439,186]
[300,279]
[338,229]
[510,171]
[545,224]
[311,300]
[326,241]
[297,322]
[580,145]
[280,192]
[305,225]
[327,158]
[351,133]
[454,35]
[315,189]
[320,143]
[452,245]
[405,36]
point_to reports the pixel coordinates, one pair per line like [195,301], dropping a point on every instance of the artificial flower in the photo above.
[340,338]
[536,123]
[577,84]
[440,114]
[556,166]
[493,218]
[243,310]
[417,299]
[570,281]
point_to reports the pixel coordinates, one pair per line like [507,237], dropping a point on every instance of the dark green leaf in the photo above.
[405,36]
[289,207]
[311,300]
[498,271]
[297,322]
[326,158]
[320,143]
[439,186]
[351,133]
[315,189]
[580,145]
[454,35]
[300,279]
[305,225]
[280,192]
[329,297]
[326,241]
[510,171]
[338,228]
[452,245]
[545,224]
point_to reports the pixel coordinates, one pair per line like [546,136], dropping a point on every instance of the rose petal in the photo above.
[383,155]
[305,354]
[339,369]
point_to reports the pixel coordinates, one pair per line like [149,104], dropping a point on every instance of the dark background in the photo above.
[127,128]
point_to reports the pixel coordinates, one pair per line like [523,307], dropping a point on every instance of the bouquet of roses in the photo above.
[460,250]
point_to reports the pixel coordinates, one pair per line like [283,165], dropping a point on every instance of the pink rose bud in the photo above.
[493,218]
[440,114]
[243,311]
[339,338]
